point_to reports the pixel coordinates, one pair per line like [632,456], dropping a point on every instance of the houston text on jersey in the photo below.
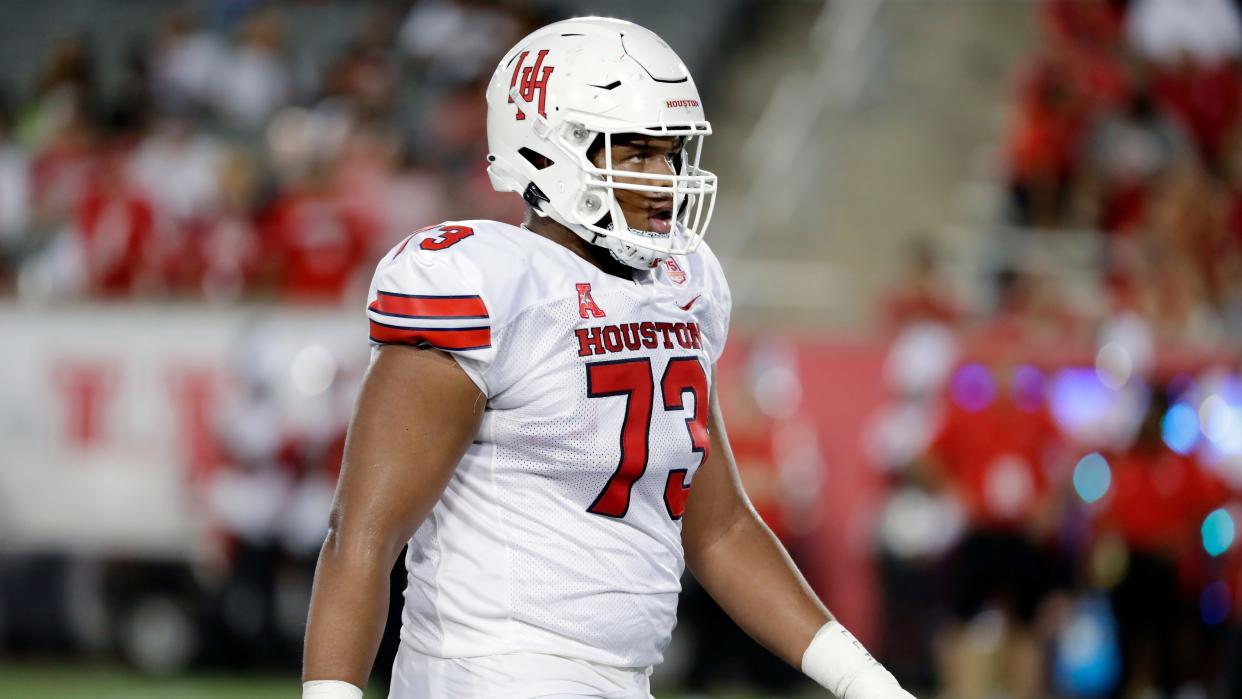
[603,339]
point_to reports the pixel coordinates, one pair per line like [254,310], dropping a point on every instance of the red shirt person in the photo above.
[1155,504]
[314,243]
[995,447]
[1158,499]
[995,451]
[115,229]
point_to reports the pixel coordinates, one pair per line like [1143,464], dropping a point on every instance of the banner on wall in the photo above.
[111,418]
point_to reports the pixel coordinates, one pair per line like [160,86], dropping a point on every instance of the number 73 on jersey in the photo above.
[634,379]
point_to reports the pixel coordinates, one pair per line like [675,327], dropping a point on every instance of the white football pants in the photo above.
[513,676]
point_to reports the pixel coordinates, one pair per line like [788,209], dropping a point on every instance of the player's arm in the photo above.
[416,416]
[747,571]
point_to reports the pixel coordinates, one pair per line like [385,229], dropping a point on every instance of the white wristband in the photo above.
[837,661]
[330,689]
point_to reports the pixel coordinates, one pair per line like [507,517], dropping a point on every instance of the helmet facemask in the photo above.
[690,189]
[593,211]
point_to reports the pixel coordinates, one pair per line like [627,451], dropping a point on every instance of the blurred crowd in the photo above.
[1065,463]
[1054,525]
[221,164]
[231,158]
[1126,121]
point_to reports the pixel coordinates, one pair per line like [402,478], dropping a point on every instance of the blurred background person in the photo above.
[996,450]
[1157,500]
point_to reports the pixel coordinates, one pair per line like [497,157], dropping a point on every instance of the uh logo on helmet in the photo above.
[579,81]
[532,88]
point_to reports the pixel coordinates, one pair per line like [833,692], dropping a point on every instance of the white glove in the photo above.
[837,661]
[330,689]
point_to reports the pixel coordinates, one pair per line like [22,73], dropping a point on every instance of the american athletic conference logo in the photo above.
[532,82]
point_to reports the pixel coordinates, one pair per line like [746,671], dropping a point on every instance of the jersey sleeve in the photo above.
[433,298]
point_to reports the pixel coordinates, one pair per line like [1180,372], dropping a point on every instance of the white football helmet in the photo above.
[572,82]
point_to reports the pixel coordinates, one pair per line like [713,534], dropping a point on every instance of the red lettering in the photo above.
[665,329]
[517,70]
[534,87]
[587,308]
[634,336]
[648,332]
[630,378]
[86,389]
[450,236]
[629,334]
[685,375]
[589,342]
[193,392]
[612,338]
[683,336]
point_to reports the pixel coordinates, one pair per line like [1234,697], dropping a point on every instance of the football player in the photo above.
[539,414]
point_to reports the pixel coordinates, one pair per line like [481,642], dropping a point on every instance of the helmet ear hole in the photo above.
[535,158]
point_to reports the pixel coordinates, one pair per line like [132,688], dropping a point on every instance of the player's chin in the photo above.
[656,224]
[660,224]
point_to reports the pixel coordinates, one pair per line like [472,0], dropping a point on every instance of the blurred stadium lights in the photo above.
[1113,366]
[973,387]
[1180,428]
[1080,399]
[1215,417]
[774,380]
[1029,387]
[1218,531]
[1215,603]
[1087,662]
[1092,477]
[312,370]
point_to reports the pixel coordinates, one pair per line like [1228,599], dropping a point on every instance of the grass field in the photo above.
[86,682]
[57,681]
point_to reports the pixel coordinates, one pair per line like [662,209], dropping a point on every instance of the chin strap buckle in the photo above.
[535,198]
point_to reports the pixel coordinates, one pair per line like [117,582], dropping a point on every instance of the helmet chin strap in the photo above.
[623,252]
[627,254]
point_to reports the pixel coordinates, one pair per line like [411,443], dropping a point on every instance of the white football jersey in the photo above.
[559,531]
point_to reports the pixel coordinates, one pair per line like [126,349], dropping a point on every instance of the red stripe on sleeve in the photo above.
[463,339]
[430,306]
